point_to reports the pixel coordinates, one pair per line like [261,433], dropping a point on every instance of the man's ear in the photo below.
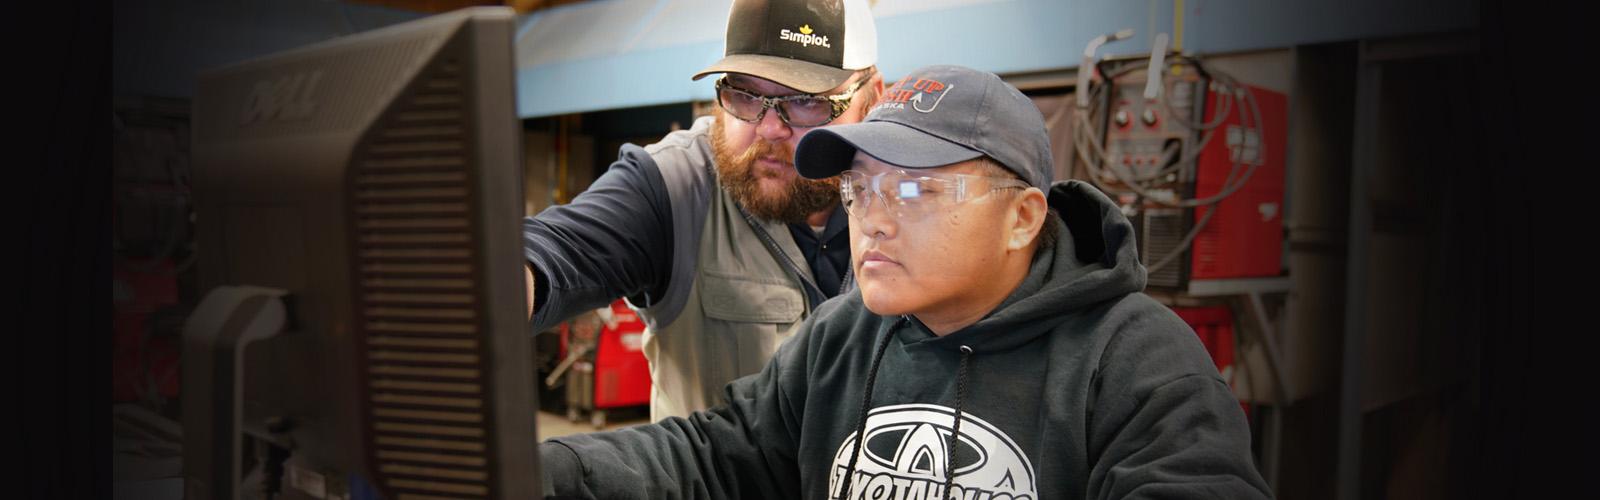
[1029,211]
[877,90]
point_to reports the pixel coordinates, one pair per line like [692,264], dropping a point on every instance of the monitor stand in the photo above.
[214,339]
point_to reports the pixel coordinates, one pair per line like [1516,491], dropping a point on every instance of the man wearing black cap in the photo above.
[997,345]
[710,233]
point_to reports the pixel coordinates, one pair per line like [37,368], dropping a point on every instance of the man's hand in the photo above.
[527,279]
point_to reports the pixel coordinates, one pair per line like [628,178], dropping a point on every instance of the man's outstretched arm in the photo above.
[613,240]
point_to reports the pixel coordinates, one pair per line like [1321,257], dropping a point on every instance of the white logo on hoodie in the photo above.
[906,448]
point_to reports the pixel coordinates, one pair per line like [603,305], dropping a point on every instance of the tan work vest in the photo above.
[741,305]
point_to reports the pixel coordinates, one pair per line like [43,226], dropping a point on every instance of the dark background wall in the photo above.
[1508,262]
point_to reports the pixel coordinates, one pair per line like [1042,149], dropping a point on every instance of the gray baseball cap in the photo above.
[937,116]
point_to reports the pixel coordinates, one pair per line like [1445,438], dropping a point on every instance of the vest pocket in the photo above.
[743,299]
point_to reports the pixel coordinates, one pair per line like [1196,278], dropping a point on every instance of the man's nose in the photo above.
[876,216]
[772,128]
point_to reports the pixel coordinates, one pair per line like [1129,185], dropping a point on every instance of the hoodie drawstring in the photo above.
[866,402]
[955,434]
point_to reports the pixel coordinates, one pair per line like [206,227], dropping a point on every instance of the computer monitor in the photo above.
[357,214]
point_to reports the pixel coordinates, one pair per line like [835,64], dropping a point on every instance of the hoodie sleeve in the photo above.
[1164,423]
[745,448]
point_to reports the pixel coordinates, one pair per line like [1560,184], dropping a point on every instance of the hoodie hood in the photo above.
[1094,259]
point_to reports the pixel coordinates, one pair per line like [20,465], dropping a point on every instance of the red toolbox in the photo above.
[604,362]
[621,374]
[1214,326]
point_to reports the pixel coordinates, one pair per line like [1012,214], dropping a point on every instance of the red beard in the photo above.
[741,177]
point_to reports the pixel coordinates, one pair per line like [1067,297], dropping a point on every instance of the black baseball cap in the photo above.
[810,46]
[937,116]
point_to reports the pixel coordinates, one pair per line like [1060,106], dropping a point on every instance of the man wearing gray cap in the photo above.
[997,345]
[710,233]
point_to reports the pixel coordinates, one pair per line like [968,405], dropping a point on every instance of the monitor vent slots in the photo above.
[418,302]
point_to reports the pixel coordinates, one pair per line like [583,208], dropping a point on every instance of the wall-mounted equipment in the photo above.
[1194,158]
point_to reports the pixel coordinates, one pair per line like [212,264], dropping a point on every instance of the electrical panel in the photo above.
[1244,238]
[1196,162]
[1147,143]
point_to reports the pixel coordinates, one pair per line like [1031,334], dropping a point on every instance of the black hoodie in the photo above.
[1077,386]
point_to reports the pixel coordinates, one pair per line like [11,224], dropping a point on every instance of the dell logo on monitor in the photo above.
[284,99]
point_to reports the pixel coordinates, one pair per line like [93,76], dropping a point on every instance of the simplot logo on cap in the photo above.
[804,37]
